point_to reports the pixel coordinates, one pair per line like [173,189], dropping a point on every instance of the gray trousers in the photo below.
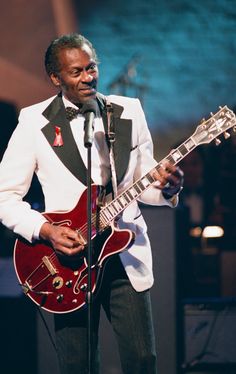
[129,313]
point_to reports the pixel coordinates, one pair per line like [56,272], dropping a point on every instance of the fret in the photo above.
[176,156]
[108,208]
[103,212]
[133,192]
[129,194]
[102,223]
[140,184]
[137,188]
[170,158]
[145,182]
[184,151]
[150,178]
[114,207]
[123,200]
[118,205]
[189,144]
[102,217]
[157,167]
[119,202]
[126,197]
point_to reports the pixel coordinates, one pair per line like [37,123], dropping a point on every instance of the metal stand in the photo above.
[89,261]
[89,111]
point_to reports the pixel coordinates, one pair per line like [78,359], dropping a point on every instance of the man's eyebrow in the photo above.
[80,68]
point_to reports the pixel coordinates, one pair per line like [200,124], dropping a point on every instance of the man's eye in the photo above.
[75,73]
[92,67]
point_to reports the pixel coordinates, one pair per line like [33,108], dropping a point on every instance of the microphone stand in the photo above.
[88,137]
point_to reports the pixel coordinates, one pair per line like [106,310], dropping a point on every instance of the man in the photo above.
[45,142]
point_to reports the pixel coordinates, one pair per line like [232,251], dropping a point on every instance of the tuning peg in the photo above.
[226,135]
[212,114]
[217,141]
[202,120]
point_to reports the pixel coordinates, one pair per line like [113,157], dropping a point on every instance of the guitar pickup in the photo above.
[49,265]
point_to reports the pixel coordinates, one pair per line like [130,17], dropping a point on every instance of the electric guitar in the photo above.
[58,283]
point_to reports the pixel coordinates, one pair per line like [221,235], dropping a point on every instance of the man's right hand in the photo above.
[62,238]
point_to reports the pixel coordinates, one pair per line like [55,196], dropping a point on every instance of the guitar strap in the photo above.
[110,138]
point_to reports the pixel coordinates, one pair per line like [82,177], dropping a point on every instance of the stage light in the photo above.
[212,232]
[196,232]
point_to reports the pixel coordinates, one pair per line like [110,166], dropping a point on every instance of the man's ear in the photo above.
[55,80]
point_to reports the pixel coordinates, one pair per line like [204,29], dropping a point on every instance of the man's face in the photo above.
[78,74]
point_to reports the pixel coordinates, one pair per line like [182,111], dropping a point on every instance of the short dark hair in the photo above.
[68,41]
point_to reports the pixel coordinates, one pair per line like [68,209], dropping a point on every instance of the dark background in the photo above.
[178,58]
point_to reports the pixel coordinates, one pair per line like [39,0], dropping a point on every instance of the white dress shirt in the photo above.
[100,160]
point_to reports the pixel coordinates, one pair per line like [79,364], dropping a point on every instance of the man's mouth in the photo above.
[88,90]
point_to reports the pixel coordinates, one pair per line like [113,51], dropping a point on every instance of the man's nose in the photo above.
[86,76]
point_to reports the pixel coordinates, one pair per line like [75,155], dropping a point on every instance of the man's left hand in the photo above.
[170,179]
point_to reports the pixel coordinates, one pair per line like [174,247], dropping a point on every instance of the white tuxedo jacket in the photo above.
[62,173]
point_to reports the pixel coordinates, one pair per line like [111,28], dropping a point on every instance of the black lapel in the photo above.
[123,133]
[68,153]
[122,144]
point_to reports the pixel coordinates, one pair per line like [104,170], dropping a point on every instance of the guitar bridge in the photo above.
[49,265]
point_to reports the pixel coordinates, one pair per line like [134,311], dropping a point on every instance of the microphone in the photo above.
[88,110]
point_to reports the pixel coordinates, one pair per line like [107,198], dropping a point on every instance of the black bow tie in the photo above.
[71,113]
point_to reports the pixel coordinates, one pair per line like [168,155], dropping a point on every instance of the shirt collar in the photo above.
[67,103]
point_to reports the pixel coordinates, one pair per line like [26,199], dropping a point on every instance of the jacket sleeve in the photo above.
[146,162]
[16,172]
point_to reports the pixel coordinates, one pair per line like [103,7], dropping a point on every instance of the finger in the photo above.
[174,173]
[163,176]
[70,251]
[75,250]
[160,179]
[171,168]
[71,234]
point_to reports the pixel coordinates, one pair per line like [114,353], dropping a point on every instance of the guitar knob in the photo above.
[226,135]
[69,283]
[57,282]
[60,298]
[83,287]
[217,142]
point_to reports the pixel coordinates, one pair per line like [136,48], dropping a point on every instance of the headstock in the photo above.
[216,125]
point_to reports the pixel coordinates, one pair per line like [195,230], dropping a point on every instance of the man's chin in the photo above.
[90,95]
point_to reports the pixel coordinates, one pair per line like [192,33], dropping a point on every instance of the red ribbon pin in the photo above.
[58,141]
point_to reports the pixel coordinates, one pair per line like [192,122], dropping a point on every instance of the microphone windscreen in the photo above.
[89,106]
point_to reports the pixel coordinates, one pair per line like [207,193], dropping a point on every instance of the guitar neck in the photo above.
[116,207]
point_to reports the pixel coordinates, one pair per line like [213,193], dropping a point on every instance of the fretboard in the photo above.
[116,206]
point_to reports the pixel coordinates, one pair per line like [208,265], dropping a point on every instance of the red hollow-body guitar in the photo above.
[58,283]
